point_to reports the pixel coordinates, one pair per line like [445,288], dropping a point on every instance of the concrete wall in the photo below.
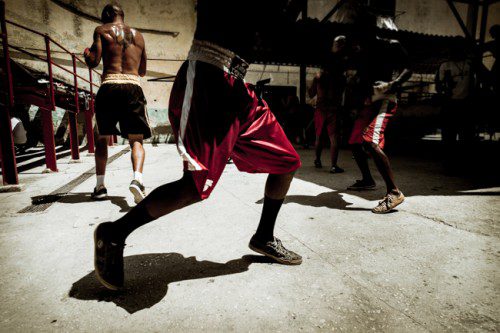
[75,32]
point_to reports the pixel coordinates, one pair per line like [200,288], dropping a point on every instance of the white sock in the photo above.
[138,176]
[100,181]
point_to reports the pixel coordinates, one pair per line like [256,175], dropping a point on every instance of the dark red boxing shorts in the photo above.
[325,119]
[371,122]
[216,116]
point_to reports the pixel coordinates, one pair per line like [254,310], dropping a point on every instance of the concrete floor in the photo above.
[431,266]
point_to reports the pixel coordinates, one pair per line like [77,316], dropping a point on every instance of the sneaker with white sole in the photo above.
[390,202]
[138,191]
[275,250]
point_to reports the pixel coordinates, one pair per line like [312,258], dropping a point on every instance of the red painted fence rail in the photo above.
[7,152]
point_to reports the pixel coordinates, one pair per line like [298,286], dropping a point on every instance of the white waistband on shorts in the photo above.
[120,79]
[219,57]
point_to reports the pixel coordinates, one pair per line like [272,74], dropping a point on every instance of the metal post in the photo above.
[472,16]
[459,20]
[73,124]
[333,11]
[484,21]
[9,166]
[111,141]
[115,138]
[47,124]
[302,76]
[88,118]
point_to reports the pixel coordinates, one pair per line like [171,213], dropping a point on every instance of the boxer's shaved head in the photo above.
[110,12]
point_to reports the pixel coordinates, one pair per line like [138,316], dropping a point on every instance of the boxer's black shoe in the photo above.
[360,185]
[99,193]
[336,169]
[275,250]
[317,164]
[108,258]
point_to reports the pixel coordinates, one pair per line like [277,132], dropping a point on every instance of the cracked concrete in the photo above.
[431,266]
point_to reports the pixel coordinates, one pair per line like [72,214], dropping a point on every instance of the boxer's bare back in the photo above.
[121,47]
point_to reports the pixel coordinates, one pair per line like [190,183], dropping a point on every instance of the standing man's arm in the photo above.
[143,65]
[94,54]
[439,80]
[313,89]
[144,58]
[403,61]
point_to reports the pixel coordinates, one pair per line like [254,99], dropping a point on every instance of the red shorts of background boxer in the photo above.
[325,118]
[216,116]
[371,122]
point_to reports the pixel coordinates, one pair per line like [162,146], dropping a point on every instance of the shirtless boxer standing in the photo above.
[120,98]
[375,62]
[215,115]
[328,86]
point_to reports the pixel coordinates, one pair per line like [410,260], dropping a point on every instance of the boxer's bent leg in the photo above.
[319,122]
[138,154]
[362,162]
[276,189]
[161,201]
[364,118]
[264,148]
[374,141]
[101,158]
[101,154]
[383,165]
[333,135]
[334,149]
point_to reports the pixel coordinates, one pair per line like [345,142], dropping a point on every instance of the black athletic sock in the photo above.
[135,218]
[265,231]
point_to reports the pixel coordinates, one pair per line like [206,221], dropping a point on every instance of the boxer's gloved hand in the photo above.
[395,86]
[380,90]
[86,53]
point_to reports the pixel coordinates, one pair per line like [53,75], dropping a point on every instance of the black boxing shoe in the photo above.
[100,193]
[361,185]
[108,258]
[336,169]
[275,250]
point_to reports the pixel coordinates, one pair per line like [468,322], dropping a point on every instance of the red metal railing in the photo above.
[9,169]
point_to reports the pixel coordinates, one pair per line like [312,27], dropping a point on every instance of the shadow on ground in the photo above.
[415,177]
[332,200]
[147,277]
[74,198]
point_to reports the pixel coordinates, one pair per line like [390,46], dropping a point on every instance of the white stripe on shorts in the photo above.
[186,108]
[379,122]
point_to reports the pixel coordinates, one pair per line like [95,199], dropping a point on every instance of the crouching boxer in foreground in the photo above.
[215,116]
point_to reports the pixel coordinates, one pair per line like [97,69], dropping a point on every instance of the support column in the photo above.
[73,136]
[89,114]
[9,166]
[47,124]
[303,67]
